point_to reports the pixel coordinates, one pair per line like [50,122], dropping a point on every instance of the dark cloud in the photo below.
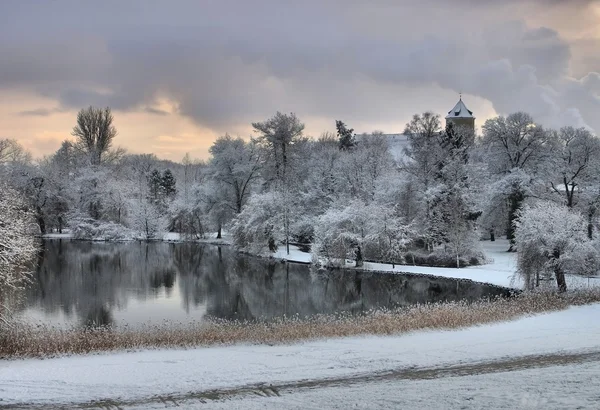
[155,111]
[229,62]
[38,112]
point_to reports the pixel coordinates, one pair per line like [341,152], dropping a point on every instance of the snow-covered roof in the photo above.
[460,110]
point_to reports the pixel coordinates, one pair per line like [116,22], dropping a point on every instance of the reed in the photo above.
[24,340]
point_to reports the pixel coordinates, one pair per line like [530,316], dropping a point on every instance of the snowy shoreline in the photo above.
[499,271]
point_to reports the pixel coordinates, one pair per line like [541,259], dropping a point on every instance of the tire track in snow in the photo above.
[269,390]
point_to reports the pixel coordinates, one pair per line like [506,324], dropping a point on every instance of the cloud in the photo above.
[155,111]
[227,63]
[38,112]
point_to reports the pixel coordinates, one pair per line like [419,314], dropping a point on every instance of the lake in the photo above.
[134,283]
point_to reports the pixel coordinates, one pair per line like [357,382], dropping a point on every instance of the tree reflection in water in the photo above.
[91,282]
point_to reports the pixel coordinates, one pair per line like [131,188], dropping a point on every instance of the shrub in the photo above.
[440,259]
[92,230]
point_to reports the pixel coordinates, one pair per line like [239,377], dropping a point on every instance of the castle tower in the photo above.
[460,115]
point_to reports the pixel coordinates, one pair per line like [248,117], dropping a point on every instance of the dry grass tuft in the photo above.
[41,341]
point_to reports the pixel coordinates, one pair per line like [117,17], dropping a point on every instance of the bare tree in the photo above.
[94,132]
[12,151]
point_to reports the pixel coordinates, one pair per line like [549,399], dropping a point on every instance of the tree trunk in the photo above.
[590,225]
[515,201]
[558,272]
[560,280]
[40,219]
[359,257]
[219,232]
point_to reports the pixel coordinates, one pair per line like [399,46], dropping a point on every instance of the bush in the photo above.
[302,232]
[92,230]
[441,259]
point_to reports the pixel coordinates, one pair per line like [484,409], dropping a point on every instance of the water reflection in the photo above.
[115,283]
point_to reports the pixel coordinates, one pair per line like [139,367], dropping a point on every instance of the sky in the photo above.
[179,73]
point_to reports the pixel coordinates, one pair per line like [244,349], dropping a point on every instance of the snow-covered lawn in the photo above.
[296,255]
[500,269]
[64,235]
[146,374]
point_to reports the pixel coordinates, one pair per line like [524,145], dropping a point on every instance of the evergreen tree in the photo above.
[155,185]
[167,184]
[346,136]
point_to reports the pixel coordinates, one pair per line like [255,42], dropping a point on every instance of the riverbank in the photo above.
[500,269]
[320,371]
[24,340]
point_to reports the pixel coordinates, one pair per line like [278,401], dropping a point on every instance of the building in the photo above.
[461,116]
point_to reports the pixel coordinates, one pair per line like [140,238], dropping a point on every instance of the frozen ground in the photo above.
[544,361]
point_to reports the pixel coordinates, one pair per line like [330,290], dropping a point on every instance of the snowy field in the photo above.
[419,368]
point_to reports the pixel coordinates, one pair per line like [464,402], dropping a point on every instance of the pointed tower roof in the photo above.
[460,110]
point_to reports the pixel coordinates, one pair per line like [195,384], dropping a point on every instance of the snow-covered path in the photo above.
[564,386]
[154,376]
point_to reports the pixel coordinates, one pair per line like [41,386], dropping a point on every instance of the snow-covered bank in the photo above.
[130,376]
[168,237]
[500,269]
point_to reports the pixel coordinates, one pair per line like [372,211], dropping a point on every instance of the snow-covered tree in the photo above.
[147,219]
[279,136]
[260,225]
[168,184]
[359,231]
[18,245]
[577,163]
[235,165]
[552,239]
[17,242]
[516,144]
[155,186]
[423,153]
[346,137]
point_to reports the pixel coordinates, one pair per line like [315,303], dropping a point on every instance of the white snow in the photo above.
[500,271]
[557,387]
[135,375]
[295,255]
[65,235]
[460,110]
